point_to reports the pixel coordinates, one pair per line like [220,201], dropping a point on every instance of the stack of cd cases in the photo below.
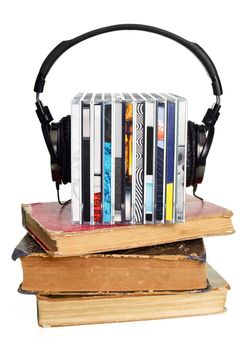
[128,158]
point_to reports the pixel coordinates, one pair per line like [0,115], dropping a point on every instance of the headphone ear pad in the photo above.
[191,153]
[201,161]
[65,149]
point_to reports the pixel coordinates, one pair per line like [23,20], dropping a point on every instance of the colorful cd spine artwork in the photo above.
[139,161]
[149,154]
[160,161]
[118,157]
[128,160]
[86,158]
[107,154]
[170,160]
[97,159]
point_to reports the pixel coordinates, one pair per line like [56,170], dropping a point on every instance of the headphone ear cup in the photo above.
[191,153]
[201,161]
[65,149]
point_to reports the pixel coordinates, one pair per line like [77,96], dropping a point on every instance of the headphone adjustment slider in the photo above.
[211,116]
[43,113]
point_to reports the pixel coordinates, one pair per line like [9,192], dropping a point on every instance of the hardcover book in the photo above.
[50,225]
[173,266]
[89,308]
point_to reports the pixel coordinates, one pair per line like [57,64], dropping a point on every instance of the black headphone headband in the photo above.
[193,47]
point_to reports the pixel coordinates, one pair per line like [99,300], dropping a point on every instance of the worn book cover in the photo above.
[50,224]
[173,266]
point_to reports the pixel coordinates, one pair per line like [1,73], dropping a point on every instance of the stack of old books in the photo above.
[96,274]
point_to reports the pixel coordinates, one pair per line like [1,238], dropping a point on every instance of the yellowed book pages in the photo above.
[172,266]
[118,307]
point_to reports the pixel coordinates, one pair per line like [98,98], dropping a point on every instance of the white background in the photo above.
[123,61]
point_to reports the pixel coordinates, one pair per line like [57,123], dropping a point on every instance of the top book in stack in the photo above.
[50,225]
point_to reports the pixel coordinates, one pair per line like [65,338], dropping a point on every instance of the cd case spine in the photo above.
[75,159]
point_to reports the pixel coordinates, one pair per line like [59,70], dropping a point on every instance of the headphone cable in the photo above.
[194,193]
[58,195]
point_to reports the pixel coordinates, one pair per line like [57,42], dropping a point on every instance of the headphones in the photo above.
[57,135]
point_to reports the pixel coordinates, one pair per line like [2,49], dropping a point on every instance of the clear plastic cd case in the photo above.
[128,158]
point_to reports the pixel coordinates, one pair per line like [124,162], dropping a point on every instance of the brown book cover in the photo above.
[51,225]
[87,308]
[173,266]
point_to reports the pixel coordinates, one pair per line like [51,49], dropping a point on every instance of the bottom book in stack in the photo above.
[167,280]
[88,308]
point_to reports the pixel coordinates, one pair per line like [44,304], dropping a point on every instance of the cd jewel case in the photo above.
[128,158]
